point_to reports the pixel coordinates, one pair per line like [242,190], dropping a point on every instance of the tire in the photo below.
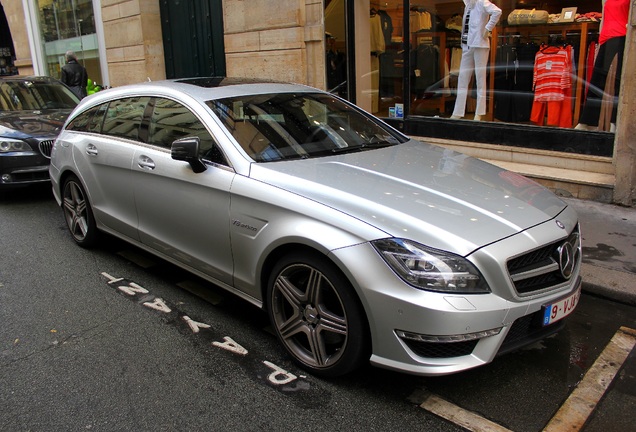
[78,213]
[316,315]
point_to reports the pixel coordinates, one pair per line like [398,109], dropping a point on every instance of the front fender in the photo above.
[265,218]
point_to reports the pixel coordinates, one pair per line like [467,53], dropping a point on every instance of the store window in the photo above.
[336,47]
[530,62]
[69,25]
[388,57]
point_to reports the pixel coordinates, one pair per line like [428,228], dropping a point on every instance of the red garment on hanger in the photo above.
[553,87]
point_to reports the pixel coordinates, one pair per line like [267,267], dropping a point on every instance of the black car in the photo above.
[33,109]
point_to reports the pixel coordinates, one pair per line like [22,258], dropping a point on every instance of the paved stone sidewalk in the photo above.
[609,249]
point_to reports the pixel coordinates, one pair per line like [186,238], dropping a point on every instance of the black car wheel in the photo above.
[316,315]
[78,213]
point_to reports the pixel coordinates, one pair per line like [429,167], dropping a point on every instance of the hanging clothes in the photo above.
[420,20]
[514,71]
[552,69]
[376,34]
[388,71]
[552,83]
[387,26]
[424,67]
[376,39]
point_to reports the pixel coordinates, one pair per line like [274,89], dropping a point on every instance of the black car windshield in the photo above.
[274,127]
[35,95]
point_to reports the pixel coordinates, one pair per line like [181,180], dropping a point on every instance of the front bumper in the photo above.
[21,169]
[503,320]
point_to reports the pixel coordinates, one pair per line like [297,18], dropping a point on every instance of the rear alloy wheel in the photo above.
[316,315]
[78,213]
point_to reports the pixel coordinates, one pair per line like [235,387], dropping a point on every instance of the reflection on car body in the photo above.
[360,243]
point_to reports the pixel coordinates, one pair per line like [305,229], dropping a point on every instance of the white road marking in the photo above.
[195,326]
[231,345]
[280,376]
[277,377]
[132,289]
[464,418]
[158,304]
[583,400]
[111,279]
[574,413]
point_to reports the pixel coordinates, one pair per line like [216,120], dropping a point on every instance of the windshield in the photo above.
[35,96]
[274,127]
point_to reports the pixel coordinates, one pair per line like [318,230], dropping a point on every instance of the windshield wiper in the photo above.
[363,147]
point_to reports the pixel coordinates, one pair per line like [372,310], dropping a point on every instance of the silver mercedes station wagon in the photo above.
[360,243]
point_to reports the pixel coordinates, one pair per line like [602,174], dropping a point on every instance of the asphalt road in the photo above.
[105,340]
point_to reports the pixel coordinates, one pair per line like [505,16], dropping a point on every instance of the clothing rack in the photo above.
[583,30]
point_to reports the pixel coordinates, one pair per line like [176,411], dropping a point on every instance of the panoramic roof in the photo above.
[209,82]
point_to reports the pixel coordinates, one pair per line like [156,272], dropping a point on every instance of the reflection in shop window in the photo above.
[65,19]
[69,25]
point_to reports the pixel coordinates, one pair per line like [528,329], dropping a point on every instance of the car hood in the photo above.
[426,193]
[24,124]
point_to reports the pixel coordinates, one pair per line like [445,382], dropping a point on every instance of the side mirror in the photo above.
[187,149]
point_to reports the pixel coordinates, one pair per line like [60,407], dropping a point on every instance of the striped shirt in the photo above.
[552,68]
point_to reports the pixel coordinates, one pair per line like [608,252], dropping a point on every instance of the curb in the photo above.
[608,283]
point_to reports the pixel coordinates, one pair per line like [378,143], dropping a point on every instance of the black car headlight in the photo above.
[431,269]
[8,145]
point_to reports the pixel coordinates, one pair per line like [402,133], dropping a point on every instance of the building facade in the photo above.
[399,59]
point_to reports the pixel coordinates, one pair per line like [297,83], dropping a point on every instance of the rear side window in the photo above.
[80,122]
[123,117]
[89,121]
[95,124]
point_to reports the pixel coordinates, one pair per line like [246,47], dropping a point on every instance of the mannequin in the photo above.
[480,17]
[611,44]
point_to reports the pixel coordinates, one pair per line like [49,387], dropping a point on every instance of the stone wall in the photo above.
[281,40]
[134,44]
[624,141]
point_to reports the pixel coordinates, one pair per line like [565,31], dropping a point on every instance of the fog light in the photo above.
[6,178]
[449,338]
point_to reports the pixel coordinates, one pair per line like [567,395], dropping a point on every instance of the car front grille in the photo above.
[546,267]
[46,147]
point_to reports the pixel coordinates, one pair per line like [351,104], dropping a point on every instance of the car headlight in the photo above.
[11,145]
[431,269]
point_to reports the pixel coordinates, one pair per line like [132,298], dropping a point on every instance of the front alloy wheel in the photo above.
[78,213]
[317,316]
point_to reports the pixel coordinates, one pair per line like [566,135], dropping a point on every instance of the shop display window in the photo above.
[535,67]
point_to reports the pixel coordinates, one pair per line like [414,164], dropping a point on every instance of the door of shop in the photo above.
[192,38]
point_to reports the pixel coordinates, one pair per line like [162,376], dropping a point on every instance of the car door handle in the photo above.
[91,150]
[144,162]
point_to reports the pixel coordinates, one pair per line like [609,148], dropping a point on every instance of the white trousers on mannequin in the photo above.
[473,60]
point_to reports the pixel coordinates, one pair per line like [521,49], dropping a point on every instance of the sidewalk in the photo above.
[609,249]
